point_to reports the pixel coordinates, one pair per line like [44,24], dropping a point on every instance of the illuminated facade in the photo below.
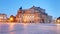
[33,15]
[3,17]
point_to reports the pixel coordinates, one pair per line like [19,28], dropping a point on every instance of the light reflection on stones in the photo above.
[26,28]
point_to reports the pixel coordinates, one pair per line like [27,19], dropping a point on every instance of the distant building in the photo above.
[3,17]
[33,15]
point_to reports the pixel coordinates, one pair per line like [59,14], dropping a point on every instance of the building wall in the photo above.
[19,16]
[3,17]
[34,14]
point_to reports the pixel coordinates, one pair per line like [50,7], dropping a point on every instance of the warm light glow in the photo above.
[28,17]
[25,20]
[58,21]
[11,19]
[11,27]
[0,20]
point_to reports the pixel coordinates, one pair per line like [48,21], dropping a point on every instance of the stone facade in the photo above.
[3,17]
[33,15]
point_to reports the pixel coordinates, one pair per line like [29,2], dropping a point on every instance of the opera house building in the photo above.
[33,15]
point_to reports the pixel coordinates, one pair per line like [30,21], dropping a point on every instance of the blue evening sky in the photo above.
[10,7]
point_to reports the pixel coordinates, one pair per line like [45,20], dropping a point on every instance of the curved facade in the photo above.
[33,15]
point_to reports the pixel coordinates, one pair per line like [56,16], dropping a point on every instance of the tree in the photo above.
[58,20]
[12,18]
